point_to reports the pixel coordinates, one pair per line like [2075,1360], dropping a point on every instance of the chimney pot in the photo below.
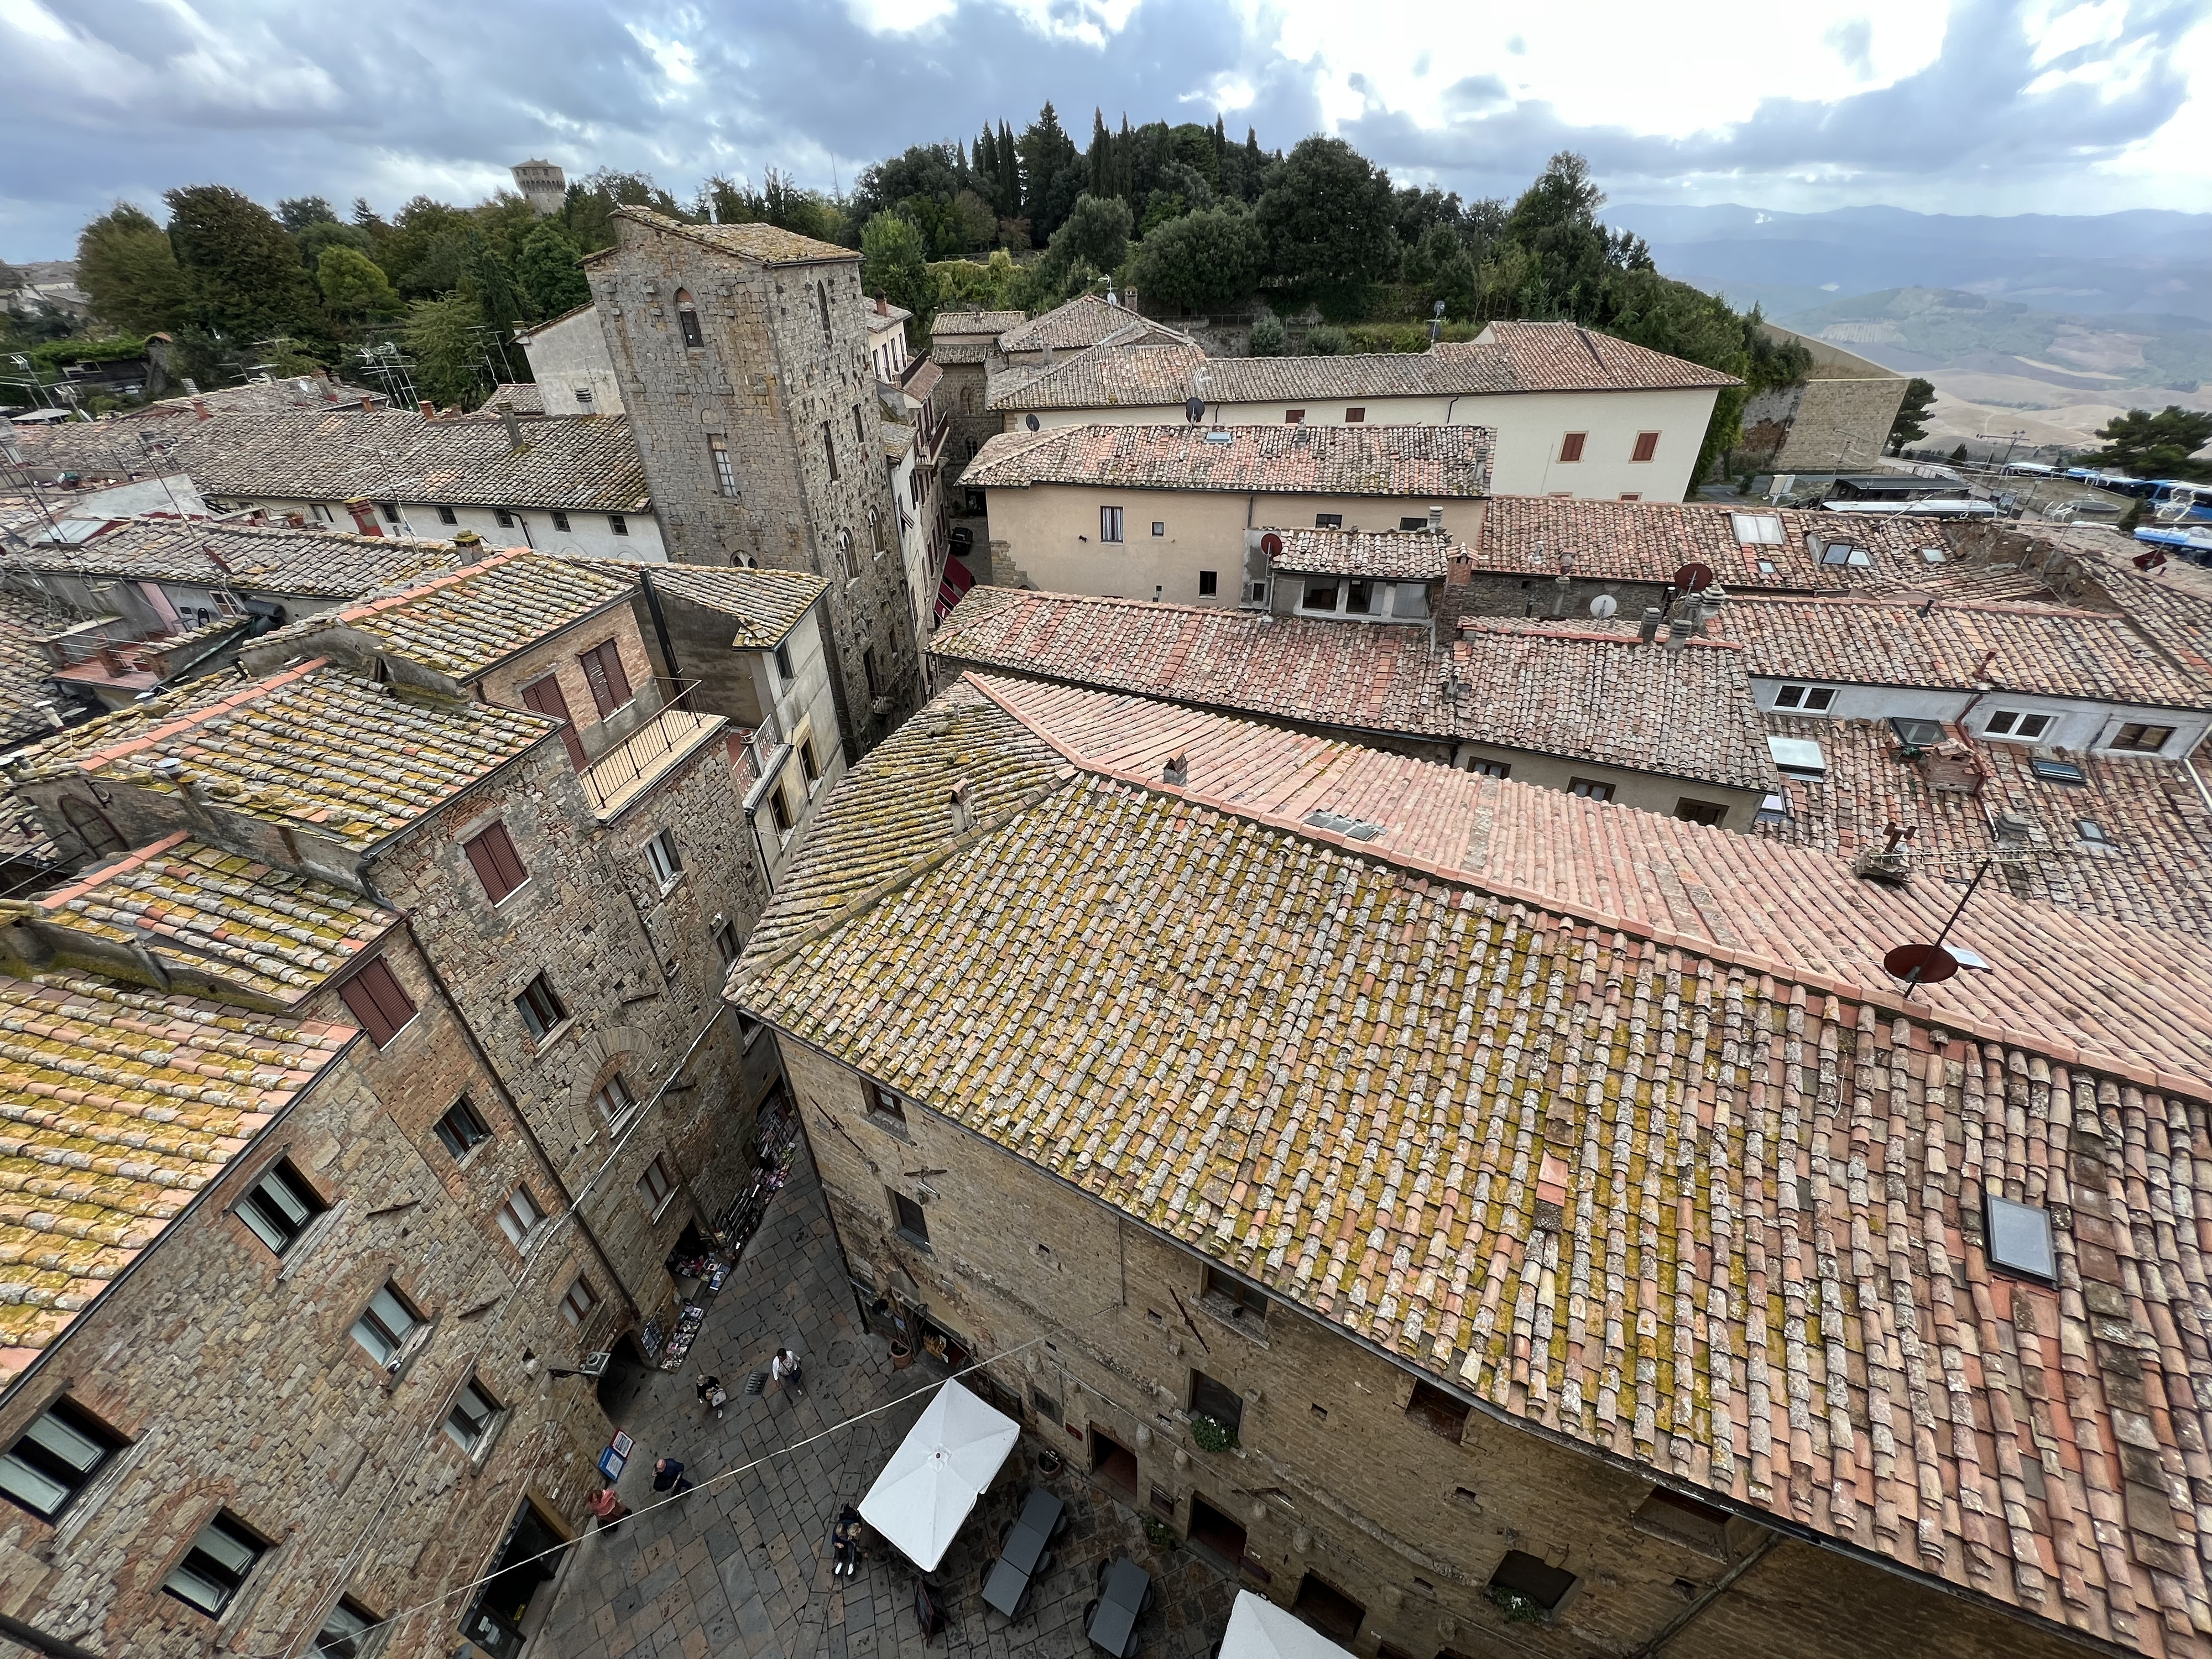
[427,408]
[883,307]
[963,813]
[200,408]
[468,545]
[1648,629]
[368,404]
[1435,521]
[1177,770]
[513,427]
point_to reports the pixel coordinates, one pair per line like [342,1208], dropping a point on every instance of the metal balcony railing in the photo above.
[643,755]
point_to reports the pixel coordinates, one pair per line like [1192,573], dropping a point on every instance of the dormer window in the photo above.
[687,318]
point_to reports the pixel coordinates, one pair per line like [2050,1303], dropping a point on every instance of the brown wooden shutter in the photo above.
[375,998]
[1647,445]
[1570,446]
[493,856]
[610,662]
[544,696]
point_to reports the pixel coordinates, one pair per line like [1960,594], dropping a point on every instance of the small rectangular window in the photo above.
[1590,788]
[725,472]
[1483,767]
[492,856]
[2147,738]
[2017,723]
[1109,523]
[1329,521]
[391,510]
[1439,1412]
[1159,526]
[1691,810]
[1810,699]
[1320,594]
[519,1215]
[55,1459]
[1259,593]
[1757,529]
[2092,831]
[783,662]
[749,1030]
[1354,416]
[577,1306]
[1209,584]
[1631,494]
[1412,521]
[618,524]
[279,1207]
[860,430]
[350,1632]
[688,319]
[1647,445]
[1570,446]
[1233,1298]
[375,997]
[728,945]
[2058,771]
[446,516]
[829,450]
[504,518]
[655,1185]
[883,1104]
[383,1327]
[780,810]
[911,1221]
[540,1006]
[615,1101]
[1217,1400]
[868,668]
[1293,417]
[1359,598]
[660,853]
[471,1418]
[1523,1581]
[215,1569]
[2020,1239]
[807,763]
[462,1129]
[560,522]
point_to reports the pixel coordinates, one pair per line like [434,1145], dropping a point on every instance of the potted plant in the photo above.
[1212,1434]
[1047,1461]
[902,1353]
[1516,1607]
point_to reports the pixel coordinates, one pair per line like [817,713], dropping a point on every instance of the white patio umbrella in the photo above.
[934,1478]
[1258,1629]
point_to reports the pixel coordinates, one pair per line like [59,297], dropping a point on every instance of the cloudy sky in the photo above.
[1988,107]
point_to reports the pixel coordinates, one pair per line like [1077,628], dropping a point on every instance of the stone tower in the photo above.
[543,185]
[742,356]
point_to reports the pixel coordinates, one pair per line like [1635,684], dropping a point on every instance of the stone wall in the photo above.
[233,1375]
[1402,1500]
[1823,426]
[783,366]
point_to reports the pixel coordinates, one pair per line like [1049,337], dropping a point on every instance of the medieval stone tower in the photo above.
[743,354]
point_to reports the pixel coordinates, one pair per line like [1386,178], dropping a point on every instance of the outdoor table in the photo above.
[1004,1589]
[1026,1543]
[1114,1628]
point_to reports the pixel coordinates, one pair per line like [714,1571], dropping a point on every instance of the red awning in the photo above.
[952,586]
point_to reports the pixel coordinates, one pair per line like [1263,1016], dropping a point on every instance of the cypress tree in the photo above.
[1101,157]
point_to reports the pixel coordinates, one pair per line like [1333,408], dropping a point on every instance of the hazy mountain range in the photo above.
[2044,324]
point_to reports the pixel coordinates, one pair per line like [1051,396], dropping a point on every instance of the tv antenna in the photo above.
[1931,964]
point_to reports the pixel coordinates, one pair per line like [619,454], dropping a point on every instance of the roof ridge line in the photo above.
[252,693]
[436,584]
[101,874]
[1750,961]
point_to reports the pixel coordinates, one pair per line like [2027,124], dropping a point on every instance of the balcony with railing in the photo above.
[660,741]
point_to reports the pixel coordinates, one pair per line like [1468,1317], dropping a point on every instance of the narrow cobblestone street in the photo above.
[741,1566]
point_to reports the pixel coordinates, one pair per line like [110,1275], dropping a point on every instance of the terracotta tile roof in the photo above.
[119,1105]
[1441,462]
[1958,646]
[766,244]
[1083,321]
[1649,541]
[328,751]
[888,317]
[588,465]
[198,908]
[292,392]
[942,350]
[2155,868]
[1709,1207]
[255,558]
[1403,555]
[765,605]
[468,622]
[527,396]
[1587,696]
[990,324]
[1562,357]
[23,672]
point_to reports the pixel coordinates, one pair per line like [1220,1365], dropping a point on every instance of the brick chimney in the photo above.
[883,307]
[200,408]
[468,545]
[515,437]
[368,404]
[428,409]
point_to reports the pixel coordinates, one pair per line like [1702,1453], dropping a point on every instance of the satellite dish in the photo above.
[1031,421]
[1272,545]
[1604,605]
[1694,578]
[1923,964]
[1194,410]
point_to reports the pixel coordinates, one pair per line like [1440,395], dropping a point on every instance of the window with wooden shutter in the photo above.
[375,998]
[544,696]
[1647,445]
[603,672]
[1570,446]
[492,855]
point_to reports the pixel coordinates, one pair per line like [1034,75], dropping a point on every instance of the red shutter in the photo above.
[1570,446]
[375,998]
[1647,445]
[493,856]
[545,696]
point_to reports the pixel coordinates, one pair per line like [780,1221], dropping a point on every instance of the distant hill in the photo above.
[2145,260]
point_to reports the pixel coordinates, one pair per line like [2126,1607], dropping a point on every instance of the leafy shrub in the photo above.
[1212,1434]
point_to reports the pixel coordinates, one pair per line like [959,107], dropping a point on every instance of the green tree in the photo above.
[1200,262]
[297,213]
[1096,234]
[129,272]
[1327,221]
[353,285]
[328,233]
[1269,337]
[1052,177]
[549,272]
[243,271]
[1555,222]
[1327,340]
[894,263]
[2160,446]
[1910,425]
[441,337]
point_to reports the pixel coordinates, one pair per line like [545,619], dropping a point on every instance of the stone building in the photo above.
[1488,1222]
[1837,419]
[743,352]
[961,344]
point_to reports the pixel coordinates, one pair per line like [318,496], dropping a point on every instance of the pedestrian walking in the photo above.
[712,1395]
[609,1508]
[668,1476]
[784,1368]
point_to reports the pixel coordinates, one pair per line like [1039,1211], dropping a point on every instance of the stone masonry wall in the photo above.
[1335,1476]
[1823,426]
[233,1375]
[767,384]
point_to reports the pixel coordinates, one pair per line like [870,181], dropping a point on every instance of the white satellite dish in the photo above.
[1604,605]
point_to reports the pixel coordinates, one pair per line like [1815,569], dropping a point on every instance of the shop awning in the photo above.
[951,587]
[1258,1629]
[939,1470]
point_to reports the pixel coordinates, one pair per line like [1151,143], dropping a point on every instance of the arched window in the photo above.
[845,555]
[687,318]
[99,835]
[876,530]
[822,294]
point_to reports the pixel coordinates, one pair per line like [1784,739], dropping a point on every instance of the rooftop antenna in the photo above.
[1437,322]
[1931,964]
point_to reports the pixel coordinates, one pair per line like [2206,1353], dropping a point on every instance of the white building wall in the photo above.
[589,534]
[2080,724]
[569,361]
[1531,428]
[913,546]
[805,708]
